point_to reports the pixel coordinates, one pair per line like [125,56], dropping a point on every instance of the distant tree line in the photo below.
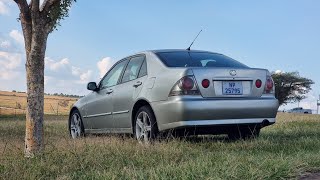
[63,95]
[54,94]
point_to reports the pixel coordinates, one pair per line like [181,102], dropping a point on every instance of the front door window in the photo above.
[111,79]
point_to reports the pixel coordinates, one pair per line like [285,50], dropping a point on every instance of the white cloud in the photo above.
[75,70]
[4,9]
[10,60]
[56,65]
[64,70]
[278,72]
[57,85]
[61,75]
[5,44]
[85,77]
[16,35]
[104,65]
[7,74]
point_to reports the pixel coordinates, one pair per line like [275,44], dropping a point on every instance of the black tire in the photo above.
[71,122]
[248,132]
[153,134]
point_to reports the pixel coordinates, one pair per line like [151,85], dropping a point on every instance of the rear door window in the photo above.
[133,68]
[143,69]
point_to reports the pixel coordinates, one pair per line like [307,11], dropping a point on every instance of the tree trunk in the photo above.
[36,24]
[34,140]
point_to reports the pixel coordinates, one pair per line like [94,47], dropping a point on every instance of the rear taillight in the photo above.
[269,87]
[258,83]
[187,83]
[185,86]
[205,83]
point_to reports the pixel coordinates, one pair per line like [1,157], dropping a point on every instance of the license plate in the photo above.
[232,87]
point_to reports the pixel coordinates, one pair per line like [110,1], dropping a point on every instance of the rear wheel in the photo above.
[76,129]
[145,128]
[248,132]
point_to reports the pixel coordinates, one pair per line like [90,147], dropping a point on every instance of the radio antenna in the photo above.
[194,40]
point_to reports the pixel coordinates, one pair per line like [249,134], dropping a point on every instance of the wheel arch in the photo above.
[74,108]
[137,105]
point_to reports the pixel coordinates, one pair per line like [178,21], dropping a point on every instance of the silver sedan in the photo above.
[185,92]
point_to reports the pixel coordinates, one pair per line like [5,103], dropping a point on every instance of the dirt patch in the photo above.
[310,176]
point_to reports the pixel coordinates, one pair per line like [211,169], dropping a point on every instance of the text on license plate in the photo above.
[232,87]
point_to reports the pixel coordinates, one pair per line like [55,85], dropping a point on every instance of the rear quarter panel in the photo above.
[160,79]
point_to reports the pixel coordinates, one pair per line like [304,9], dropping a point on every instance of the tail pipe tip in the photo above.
[265,123]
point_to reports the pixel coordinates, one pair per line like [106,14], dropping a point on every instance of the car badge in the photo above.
[233,72]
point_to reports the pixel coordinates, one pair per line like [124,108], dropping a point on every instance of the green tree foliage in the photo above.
[291,87]
[58,12]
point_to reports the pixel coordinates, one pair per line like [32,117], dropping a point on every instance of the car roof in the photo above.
[178,50]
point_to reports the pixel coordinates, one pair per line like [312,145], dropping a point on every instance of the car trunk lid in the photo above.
[230,82]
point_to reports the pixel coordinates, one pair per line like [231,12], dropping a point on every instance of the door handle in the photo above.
[138,83]
[109,91]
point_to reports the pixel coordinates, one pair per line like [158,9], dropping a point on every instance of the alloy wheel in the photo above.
[143,127]
[75,126]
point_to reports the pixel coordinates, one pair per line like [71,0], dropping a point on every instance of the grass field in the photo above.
[287,149]
[14,103]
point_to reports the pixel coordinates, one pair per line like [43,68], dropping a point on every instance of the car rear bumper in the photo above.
[180,112]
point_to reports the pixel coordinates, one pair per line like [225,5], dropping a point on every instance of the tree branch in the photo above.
[26,22]
[52,21]
[34,4]
[22,4]
[46,5]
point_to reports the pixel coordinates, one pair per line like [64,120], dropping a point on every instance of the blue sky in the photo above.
[277,35]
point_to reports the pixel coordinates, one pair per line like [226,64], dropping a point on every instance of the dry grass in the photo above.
[15,103]
[285,150]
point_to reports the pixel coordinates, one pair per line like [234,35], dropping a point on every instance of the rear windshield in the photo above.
[197,59]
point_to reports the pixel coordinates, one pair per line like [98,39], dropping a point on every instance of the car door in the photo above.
[127,91]
[99,107]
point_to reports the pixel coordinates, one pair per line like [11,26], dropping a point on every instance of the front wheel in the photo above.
[76,129]
[145,128]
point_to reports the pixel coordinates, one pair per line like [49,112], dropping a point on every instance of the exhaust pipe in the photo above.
[265,123]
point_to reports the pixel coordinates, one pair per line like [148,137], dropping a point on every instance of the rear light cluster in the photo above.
[269,87]
[258,83]
[205,83]
[185,86]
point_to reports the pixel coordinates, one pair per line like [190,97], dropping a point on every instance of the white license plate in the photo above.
[232,88]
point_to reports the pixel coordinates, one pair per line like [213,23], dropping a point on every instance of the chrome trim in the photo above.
[216,122]
[96,115]
[120,112]
[232,78]
[105,114]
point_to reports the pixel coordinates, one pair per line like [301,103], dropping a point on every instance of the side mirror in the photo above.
[92,86]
